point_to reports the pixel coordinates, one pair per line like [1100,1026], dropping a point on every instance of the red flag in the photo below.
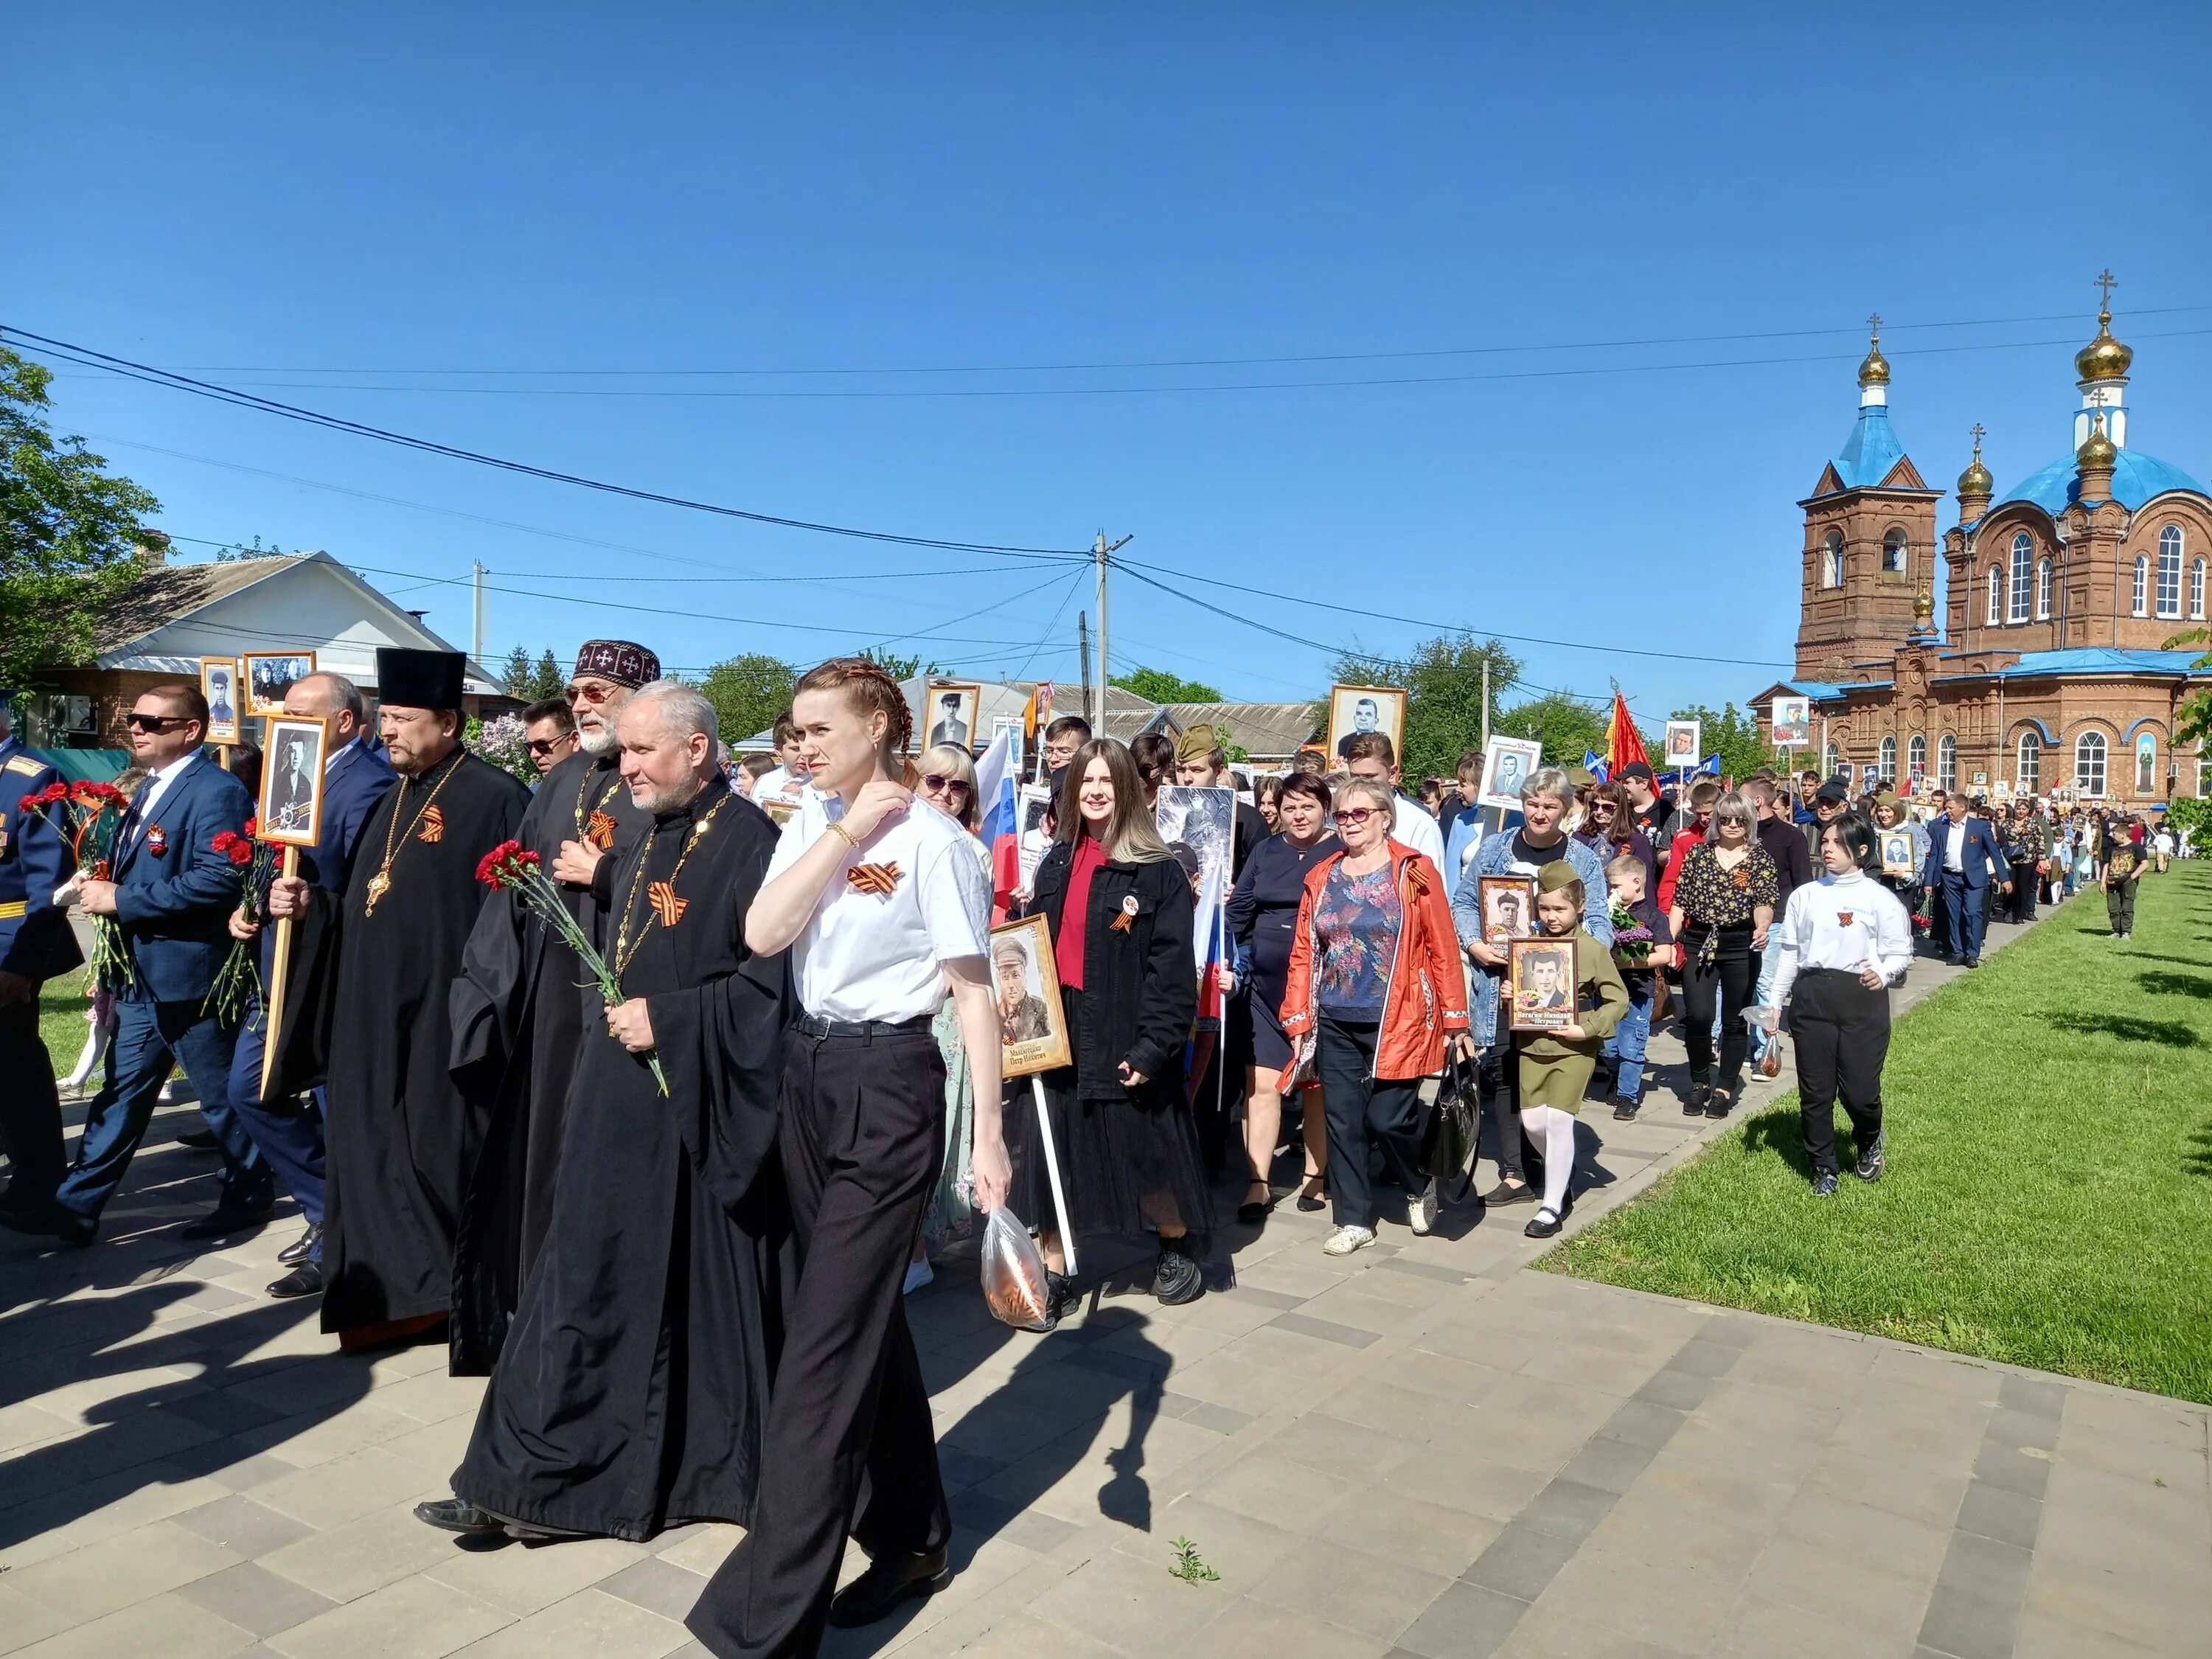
[1624,743]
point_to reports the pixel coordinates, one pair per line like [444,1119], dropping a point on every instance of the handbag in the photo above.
[1449,1141]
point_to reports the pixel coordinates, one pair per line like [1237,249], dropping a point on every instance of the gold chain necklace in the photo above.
[626,952]
[582,818]
[380,882]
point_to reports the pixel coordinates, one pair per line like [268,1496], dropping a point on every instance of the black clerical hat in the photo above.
[419,679]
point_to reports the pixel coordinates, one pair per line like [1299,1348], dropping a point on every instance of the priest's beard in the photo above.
[601,740]
[677,795]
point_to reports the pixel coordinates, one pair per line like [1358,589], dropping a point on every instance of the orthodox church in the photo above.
[2051,670]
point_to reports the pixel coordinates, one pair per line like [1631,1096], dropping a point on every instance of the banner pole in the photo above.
[279,973]
[1052,1171]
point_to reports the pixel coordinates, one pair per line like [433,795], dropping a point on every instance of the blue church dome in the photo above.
[2135,479]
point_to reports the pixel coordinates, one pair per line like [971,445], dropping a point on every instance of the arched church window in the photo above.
[1834,757]
[1997,596]
[1886,759]
[2027,772]
[2043,589]
[2197,590]
[1831,559]
[1892,552]
[2089,762]
[1915,757]
[1947,763]
[2169,571]
[2139,602]
[2146,764]
[2023,554]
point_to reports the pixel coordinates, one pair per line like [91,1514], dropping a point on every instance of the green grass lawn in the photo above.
[61,1019]
[2049,1198]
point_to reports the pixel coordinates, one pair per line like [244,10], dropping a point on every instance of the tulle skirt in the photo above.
[1126,1166]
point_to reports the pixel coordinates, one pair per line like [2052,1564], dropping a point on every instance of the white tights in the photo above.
[1556,1130]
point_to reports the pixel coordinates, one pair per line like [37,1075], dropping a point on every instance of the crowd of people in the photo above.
[674,1226]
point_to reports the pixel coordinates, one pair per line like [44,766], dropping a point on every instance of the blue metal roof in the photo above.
[1873,453]
[2135,479]
[2091,659]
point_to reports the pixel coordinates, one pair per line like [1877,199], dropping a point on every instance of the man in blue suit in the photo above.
[289,1131]
[1963,858]
[36,944]
[172,894]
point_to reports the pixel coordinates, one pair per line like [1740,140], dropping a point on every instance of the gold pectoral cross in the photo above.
[378,886]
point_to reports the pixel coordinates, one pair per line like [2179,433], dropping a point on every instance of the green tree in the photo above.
[238,550]
[531,681]
[67,531]
[2193,718]
[1568,728]
[1158,685]
[1733,736]
[899,667]
[1443,682]
[748,693]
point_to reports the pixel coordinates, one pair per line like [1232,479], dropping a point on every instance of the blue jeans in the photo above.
[290,1132]
[1768,960]
[1625,1045]
[150,1038]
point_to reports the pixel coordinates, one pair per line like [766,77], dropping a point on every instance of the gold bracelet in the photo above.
[838,829]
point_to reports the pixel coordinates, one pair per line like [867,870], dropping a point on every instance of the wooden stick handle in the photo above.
[279,973]
[1052,1171]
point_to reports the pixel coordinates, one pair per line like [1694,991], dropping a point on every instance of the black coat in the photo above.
[1141,981]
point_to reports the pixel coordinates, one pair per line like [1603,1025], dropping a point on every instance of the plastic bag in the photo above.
[1013,1273]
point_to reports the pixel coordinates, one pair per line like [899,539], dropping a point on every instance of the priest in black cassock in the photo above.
[630,1394]
[520,1003]
[366,1008]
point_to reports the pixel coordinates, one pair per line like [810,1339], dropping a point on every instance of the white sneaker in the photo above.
[1421,1210]
[918,1273]
[1344,1240]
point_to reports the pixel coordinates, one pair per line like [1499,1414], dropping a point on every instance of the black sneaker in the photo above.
[1824,1184]
[1701,1096]
[1177,1279]
[1869,1166]
[1624,1110]
[1507,1193]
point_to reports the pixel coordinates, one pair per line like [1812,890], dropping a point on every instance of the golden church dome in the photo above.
[2104,358]
[2098,451]
[1874,370]
[1976,480]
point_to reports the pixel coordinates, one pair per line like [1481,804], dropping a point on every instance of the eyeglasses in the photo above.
[594,694]
[154,722]
[938,784]
[1352,815]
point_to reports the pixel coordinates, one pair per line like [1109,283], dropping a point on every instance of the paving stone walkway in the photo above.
[1420,1449]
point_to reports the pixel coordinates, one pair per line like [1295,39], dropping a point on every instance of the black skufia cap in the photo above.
[419,679]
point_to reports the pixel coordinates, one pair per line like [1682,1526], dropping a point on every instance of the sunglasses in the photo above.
[154,722]
[594,694]
[1355,815]
[546,745]
[1597,806]
[938,784]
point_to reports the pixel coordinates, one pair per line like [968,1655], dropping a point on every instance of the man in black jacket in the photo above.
[1793,868]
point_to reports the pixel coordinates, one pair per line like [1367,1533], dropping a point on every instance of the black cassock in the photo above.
[519,1009]
[369,993]
[631,1391]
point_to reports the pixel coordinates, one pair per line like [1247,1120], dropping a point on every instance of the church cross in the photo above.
[1977,437]
[2105,283]
[1874,323]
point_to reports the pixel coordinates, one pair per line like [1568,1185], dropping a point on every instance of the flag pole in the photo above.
[1052,1171]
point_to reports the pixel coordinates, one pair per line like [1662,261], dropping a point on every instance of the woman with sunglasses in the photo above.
[1723,903]
[947,783]
[1375,998]
[1608,829]
[1263,913]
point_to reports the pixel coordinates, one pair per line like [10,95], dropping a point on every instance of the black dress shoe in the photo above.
[201,1141]
[301,1247]
[51,1221]
[306,1279]
[890,1580]
[458,1515]
[223,1223]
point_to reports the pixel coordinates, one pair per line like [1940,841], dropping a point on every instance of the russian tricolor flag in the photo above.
[1002,817]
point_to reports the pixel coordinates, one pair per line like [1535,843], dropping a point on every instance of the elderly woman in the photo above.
[1375,996]
[1540,838]
[947,783]
[1721,908]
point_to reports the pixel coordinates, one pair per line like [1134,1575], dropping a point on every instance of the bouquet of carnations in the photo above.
[240,977]
[98,816]
[512,868]
[1631,939]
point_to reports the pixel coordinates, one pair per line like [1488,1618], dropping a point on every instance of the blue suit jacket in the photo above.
[35,938]
[174,892]
[358,779]
[1979,855]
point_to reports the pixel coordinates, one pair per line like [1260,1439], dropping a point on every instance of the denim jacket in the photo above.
[1494,857]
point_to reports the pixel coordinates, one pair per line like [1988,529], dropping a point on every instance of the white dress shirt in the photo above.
[1411,825]
[1955,847]
[158,784]
[881,956]
[1848,923]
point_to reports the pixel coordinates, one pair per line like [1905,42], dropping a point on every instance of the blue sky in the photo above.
[386,197]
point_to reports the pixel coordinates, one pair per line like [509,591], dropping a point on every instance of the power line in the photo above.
[85,356]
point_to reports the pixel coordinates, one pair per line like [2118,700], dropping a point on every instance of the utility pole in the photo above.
[478,573]
[1100,551]
[1083,651]
[1486,702]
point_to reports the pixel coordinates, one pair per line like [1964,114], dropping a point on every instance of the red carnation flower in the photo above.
[252,828]
[499,867]
[241,852]
[224,840]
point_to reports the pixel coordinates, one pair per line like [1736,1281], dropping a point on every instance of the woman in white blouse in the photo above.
[1845,940]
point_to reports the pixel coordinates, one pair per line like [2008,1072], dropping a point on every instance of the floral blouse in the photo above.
[1710,897]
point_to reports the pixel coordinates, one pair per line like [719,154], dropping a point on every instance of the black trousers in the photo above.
[1842,1033]
[2025,881]
[1730,978]
[30,1108]
[848,1431]
[1361,1107]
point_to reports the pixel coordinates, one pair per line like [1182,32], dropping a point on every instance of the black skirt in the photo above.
[1126,1164]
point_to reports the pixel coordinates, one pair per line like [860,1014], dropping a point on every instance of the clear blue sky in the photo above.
[261,192]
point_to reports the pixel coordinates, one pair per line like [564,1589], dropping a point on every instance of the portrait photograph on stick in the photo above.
[1507,764]
[948,713]
[1542,976]
[1682,749]
[1353,709]
[1508,907]
[269,674]
[292,781]
[1203,817]
[1897,858]
[1025,989]
[219,685]
[1791,719]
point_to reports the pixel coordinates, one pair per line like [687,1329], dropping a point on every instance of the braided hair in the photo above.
[870,689]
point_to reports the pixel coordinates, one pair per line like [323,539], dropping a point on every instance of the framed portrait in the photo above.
[1681,752]
[1035,839]
[1025,993]
[1355,709]
[779,808]
[292,781]
[1203,817]
[1507,764]
[268,675]
[219,685]
[1791,720]
[1897,854]
[948,715]
[1508,907]
[1541,975]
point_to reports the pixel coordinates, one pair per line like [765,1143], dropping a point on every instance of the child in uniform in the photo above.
[1556,1065]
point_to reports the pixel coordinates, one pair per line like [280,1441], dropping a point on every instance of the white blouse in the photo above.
[1845,922]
